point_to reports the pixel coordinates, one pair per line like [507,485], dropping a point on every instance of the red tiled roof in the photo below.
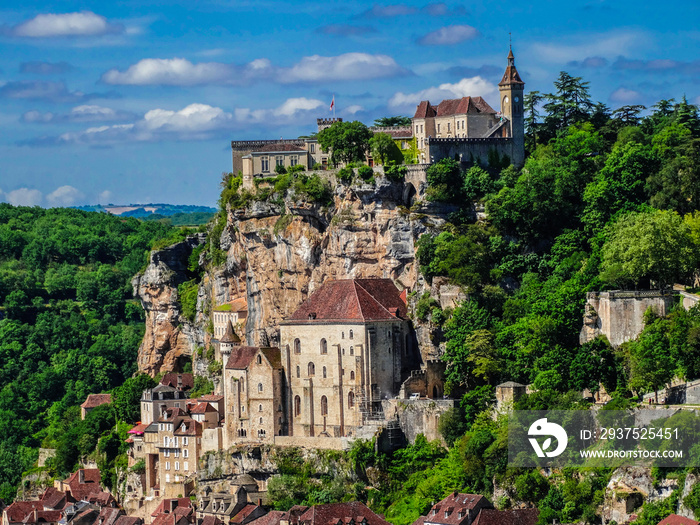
[100,498]
[460,106]
[52,498]
[244,513]
[128,520]
[334,512]
[91,483]
[21,509]
[138,429]
[419,521]
[424,110]
[210,520]
[211,398]
[192,428]
[165,505]
[202,408]
[95,400]
[281,147]
[675,519]
[109,515]
[271,518]
[170,379]
[457,506]
[239,305]
[353,299]
[241,357]
[43,516]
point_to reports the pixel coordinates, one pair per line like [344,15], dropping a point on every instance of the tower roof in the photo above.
[229,335]
[511,75]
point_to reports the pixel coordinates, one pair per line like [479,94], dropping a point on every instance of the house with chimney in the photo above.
[474,509]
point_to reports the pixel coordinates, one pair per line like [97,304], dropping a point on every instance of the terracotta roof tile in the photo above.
[211,398]
[241,356]
[170,379]
[675,519]
[211,520]
[138,429]
[511,517]
[95,400]
[271,518]
[128,520]
[460,106]
[335,512]
[353,299]
[20,509]
[424,110]
[246,511]
[53,498]
[109,515]
[202,408]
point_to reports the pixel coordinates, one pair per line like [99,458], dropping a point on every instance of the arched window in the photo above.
[352,375]
[342,335]
[312,369]
[259,408]
[242,385]
[324,372]
[324,406]
[260,387]
[261,421]
[297,346]
[350,334]
[297,405]
[352,350]
[351,400]
[259,359]
[298,371]
[324,346]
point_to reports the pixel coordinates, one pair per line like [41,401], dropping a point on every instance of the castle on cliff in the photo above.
[467,129]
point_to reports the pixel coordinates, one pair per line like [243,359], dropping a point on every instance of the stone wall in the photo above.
[418,416]
[322,443]
[212,439]
[468,150]
[619,315]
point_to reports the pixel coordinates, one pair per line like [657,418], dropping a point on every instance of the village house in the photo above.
[179,442]
[244,493]
[92,402]
[171,392]
[235,312]
[474,509]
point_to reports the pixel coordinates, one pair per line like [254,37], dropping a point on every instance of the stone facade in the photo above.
[619,315]
[235,312]
[179,442]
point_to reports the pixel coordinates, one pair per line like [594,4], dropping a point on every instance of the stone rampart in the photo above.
[327,443]
[418,416]
[619,314]
[469,150]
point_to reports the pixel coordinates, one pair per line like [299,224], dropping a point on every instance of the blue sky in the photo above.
[128,102]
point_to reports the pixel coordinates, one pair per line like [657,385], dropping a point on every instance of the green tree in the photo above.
[531,103]
[347,141]
[444,181]
[126,398]
[629,115]
[390,122]
[569,105]
[385,149]
[648,246]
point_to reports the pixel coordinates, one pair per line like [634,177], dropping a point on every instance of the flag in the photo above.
[332,103]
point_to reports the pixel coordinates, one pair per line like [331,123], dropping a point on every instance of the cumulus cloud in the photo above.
[475,86]
[625,96]
[389,11]
[345,30]
[85,23]
[450,35]
[182,72]
[282,114]
[64,196]
[24,197]
[104,197]
[589,62]
[355,108]
[83,113]
[441,9]
[659,65]
[51,91]
[45,68]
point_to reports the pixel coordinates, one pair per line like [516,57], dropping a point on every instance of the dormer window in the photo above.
[312,316]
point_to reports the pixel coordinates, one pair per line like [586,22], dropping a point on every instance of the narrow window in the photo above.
[312,369]
[260,387]
[324,406]
[352,375]
[298,371]
[259,408]
[297,346]
[297,405]
[259,359]
[324,372]
[351,400]
[324,346]
[350,334]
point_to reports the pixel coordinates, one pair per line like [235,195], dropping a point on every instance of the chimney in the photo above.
[179,381]
[81,476]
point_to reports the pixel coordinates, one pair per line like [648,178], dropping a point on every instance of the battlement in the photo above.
[324,123]
[246,145]
[467,140]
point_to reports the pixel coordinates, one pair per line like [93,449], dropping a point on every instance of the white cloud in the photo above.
[625,96]
[475,87]
[194,118]
[24,197]
[169,72]
[64,196]
[182,72]
[85,23]
[83,113]
[104,197]
[606,45]
[450,35]
[282,114]
[356,108]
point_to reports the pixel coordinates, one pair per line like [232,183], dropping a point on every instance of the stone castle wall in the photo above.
[470,150]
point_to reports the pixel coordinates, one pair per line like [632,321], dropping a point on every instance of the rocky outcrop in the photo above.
[628,489]
[169,336]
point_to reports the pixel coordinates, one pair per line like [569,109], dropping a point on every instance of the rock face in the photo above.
[277,254]
[169,336]
[628,489]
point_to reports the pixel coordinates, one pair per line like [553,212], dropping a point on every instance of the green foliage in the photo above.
[126,399]
[314,188]
[444,181]
[395,172]
[390,122]
[202,386]
[384,149]
[347,141]
[345,175]
[280,170]
[187,293]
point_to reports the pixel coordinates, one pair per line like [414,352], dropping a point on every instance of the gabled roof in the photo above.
[109,515]
[273,356]
[19,510]
[464,105]
[54,499]
[210,520]
[202,408]
[128,520]
[192,428]
[675,519]
[95,400]
[343,512]
[171,379]
[352,300]
[237,305]
[425,110]
[242,356]
[138,429]
[171,503]
[211,398]
[457,507]
[271,518]
[244,513]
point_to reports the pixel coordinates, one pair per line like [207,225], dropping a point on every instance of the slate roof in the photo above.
[352,300]
[675,519]
[509,517]
[95,400]
[230,335]
[344,512]
[273,355]
[170,379]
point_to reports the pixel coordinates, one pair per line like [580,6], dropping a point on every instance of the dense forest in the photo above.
[69,327]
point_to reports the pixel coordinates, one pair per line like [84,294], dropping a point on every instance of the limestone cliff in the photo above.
[277,254]
[170,337]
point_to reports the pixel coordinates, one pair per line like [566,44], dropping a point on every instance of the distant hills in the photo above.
[177,214]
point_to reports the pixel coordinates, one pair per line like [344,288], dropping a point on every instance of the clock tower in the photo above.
[511,90]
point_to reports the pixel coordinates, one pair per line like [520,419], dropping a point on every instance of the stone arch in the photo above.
[311,369]
[409,193]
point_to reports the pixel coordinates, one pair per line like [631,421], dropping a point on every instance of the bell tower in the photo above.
[511,88]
